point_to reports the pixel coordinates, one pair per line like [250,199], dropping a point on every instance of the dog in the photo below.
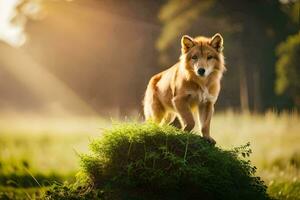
[190,88]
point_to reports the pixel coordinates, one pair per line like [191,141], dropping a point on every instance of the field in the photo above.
[35,152]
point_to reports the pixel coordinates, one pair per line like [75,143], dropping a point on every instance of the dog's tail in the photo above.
[150,99]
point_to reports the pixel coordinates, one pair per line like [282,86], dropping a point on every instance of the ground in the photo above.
[35,153]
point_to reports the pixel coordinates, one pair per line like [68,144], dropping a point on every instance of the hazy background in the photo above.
[96,56]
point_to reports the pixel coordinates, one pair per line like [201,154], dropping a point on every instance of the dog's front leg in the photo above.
[206,112]
[182,107]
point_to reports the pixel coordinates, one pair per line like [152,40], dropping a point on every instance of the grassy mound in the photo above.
[146,161]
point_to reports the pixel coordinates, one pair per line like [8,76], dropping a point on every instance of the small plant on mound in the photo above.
[147,161]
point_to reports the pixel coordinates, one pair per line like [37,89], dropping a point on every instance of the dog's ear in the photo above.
[187,43]
[217,42]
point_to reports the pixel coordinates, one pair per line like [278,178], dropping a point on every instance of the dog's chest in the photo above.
[204,96]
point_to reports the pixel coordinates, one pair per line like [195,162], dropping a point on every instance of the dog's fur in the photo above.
[180,91]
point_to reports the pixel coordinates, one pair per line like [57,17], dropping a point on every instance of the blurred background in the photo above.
[68,67]
[96,56]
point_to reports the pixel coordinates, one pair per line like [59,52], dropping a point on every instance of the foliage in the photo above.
[287,68]
[11,193]
[81,189]
[161,163]
[177,17]
[292,9]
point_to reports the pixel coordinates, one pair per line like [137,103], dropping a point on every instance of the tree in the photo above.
[288,68]
[251,30]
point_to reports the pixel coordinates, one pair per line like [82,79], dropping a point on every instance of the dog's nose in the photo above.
[201,71]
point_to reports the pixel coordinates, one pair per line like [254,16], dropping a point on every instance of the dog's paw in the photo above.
[210,140]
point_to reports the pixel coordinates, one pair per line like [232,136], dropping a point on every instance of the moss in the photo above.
[147,161]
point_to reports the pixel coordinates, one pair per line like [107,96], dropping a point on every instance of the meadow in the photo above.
[36,152]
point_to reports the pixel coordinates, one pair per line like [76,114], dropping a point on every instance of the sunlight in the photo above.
[58,98]
[11,32]
[45,85]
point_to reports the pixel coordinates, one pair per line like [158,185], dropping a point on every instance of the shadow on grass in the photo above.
[28,181]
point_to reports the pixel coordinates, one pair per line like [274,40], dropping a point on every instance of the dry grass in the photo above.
[274,140]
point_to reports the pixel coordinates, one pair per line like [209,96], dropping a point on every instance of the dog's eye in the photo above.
[209,57]
[194,57]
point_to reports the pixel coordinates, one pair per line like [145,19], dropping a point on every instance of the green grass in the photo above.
[35,153]
[148,161]
[30,160]
[49,146]
[7,193]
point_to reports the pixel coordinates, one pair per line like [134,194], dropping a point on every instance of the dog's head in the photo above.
[203,55]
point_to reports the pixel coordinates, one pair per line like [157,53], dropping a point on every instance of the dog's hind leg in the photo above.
[153,108]
[155,111]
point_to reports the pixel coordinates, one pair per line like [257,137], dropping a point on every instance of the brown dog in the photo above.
[188,87]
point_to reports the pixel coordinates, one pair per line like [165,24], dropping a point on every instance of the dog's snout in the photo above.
[201,71]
